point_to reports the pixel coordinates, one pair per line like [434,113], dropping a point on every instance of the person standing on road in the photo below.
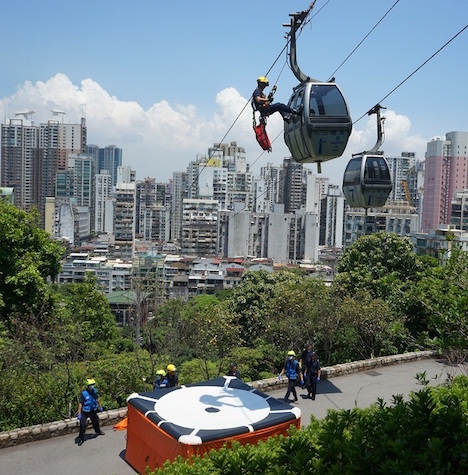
[88,406]
[292,371]
[233,371]
[172,377]
[306,352]
[312,374]
[160,381]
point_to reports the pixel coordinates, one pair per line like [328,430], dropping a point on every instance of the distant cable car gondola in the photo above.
[322,130]
[366,181]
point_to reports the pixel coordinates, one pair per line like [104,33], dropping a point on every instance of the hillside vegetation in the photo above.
[384,300]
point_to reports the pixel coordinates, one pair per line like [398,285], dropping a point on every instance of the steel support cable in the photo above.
[391,92]
[416,70]
[362,41]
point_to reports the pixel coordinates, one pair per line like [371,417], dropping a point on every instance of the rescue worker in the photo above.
[88,406]
[293,372]
[233,371]
[161,380]
[264,104]
[312,374]
[172,377]
[306,353]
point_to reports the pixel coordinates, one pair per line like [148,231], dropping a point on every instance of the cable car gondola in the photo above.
[322,130]
[366,181]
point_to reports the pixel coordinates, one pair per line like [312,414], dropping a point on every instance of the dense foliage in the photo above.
[427,434]
[27,258]
[385,300]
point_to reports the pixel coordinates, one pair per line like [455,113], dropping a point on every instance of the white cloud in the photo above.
[397,136]
[166,137]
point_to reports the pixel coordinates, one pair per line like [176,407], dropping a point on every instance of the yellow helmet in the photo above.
[171,367]
[291,353]
[90,381]
[263,80]
[161,372]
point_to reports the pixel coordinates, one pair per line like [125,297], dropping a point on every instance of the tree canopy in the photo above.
[28,257]
[381,263]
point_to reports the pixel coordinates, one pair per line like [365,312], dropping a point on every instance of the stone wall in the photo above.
[348,368]
[67,426]
[53,429]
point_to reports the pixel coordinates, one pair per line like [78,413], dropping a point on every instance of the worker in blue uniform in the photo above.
[88,406]
[293,372]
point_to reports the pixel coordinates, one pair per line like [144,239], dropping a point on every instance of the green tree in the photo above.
[252,300]
[382,263]
[295,312]
[164,334]
[88,308]
[378,331]
[440,300]
[211,330]
[28,257]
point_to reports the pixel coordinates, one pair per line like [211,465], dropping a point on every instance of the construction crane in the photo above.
[407,192]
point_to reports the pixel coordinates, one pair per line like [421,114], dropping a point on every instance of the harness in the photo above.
[260,129]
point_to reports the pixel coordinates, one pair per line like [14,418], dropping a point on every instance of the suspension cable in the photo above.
[200,171]
[416,70]
[362,41]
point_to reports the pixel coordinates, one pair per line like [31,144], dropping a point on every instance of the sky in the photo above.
[164,81]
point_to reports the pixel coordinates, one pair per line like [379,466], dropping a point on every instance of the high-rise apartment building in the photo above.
[332,217]
[179,192]
[267,192]
[124,212]
[399,168]
[199,227]
[274,235]
[32,155]
[20,154]
[459,215]
[104,207]
[76,182]
[292,186]
[152,211]
[108,158]
[446,172]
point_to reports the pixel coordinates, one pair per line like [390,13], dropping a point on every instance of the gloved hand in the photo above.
[318,378]
[302,383]
[79,417]
[101,409]
[279,377]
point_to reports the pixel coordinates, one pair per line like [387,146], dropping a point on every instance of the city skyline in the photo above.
[166,82]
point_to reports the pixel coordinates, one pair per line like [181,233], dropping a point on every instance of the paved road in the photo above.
[104,455]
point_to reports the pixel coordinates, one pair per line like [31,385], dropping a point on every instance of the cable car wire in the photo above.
[362,41]
[179,205]
[416,70]
[343,62]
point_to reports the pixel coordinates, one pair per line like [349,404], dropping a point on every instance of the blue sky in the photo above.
[165,80]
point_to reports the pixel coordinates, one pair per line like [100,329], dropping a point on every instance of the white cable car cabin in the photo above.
[366,181]
[322,130]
